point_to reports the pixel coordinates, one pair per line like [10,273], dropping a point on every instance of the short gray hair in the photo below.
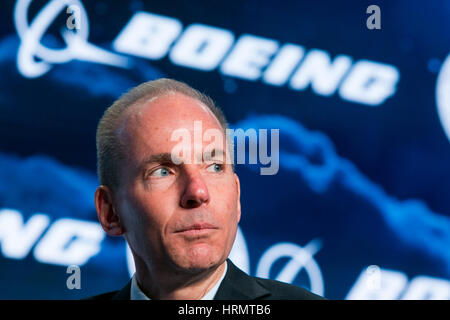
[109,148]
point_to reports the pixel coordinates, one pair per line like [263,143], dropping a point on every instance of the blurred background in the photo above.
[359,208]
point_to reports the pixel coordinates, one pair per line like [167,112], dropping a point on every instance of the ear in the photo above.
[107,215]
[238,186]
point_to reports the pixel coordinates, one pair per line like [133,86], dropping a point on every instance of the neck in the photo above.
[166,285]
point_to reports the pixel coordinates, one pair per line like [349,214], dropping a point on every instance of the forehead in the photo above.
[147,127]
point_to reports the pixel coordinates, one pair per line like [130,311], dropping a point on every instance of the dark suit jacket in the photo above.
[237,285]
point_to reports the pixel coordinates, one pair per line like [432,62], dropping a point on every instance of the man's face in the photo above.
[182,216]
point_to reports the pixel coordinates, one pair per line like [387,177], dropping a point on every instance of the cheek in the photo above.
[146,226]
[226,205]
[154,213]
[146,215]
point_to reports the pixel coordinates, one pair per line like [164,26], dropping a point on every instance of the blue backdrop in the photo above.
[359,208]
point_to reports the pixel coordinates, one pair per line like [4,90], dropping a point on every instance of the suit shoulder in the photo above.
[123,294]
[102,296]
[285,291]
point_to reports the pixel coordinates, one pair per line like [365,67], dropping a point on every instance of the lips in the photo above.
[197,227]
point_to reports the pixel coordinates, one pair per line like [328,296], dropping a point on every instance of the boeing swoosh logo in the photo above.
[77,45]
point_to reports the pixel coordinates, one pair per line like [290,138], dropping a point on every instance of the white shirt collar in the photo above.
[137,294]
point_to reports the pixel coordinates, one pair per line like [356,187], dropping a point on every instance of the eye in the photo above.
[215,167]
[161,172]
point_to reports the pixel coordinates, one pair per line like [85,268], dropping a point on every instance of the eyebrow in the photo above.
[156,158]
[166,157]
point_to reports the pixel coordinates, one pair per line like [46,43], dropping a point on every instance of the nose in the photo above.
[195,190]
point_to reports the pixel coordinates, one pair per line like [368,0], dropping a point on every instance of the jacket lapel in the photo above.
[123,294]
[237,285]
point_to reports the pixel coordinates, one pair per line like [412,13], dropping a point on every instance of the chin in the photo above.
[200,257]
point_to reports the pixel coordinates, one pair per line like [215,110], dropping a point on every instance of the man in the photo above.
[178,211]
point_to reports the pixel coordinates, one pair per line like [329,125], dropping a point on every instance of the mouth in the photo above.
[197,228]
